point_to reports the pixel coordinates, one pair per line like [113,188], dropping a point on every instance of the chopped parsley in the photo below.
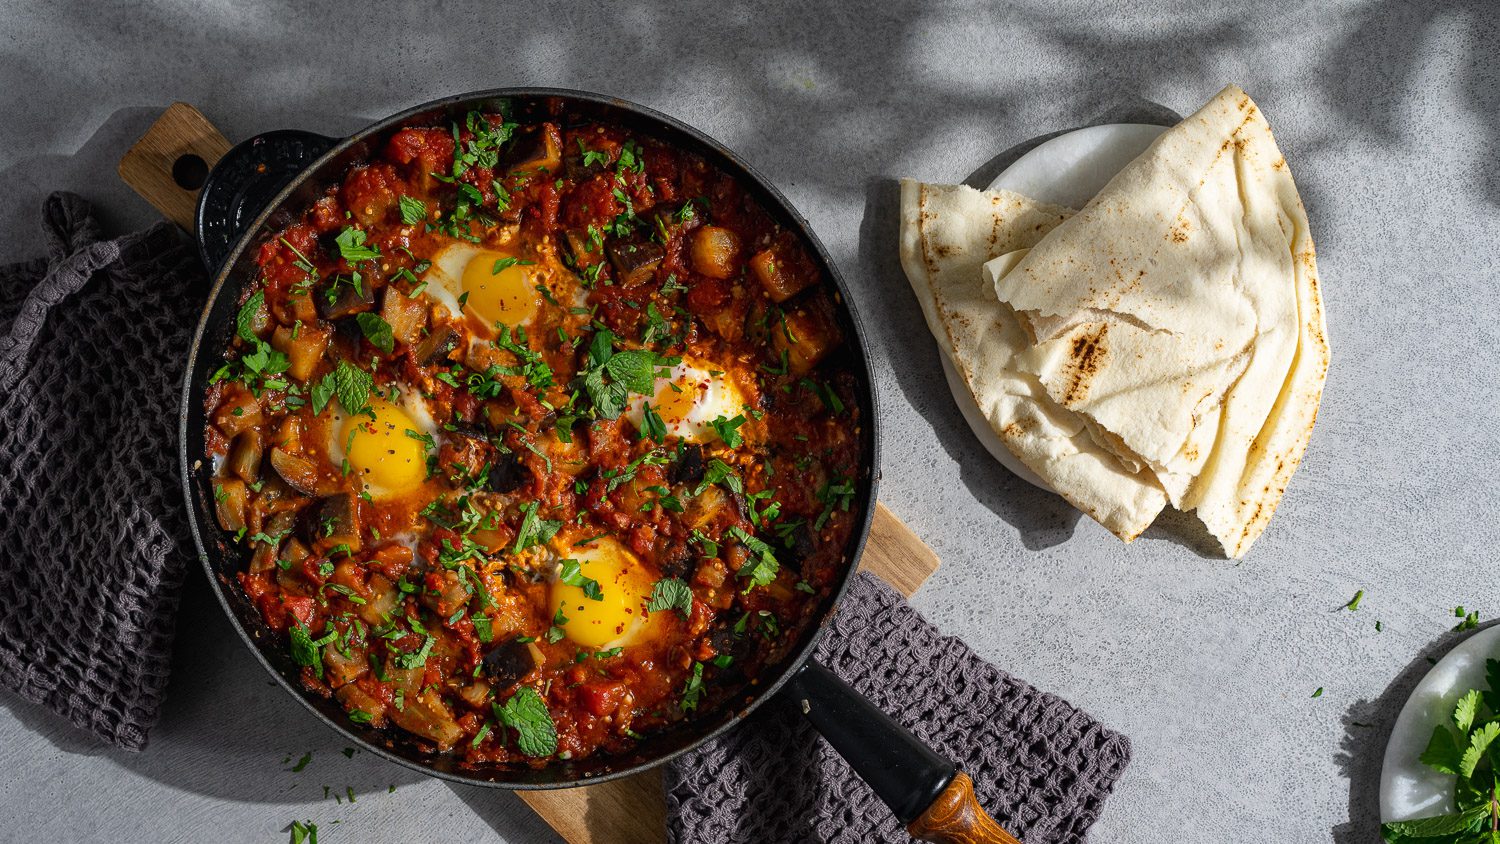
[353,248]
[572,574]
[693,689]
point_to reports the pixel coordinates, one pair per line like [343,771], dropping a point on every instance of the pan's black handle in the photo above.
[244,181]
[924,790]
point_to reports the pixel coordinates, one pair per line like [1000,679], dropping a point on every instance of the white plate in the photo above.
[1409,789]
[1066,170]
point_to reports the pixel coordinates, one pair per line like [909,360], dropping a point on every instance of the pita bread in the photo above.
[1178,313]
[948,232]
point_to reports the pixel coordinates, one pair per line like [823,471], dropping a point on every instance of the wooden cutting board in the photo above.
[626,811]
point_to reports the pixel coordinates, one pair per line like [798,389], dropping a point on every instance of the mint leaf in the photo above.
[527,714]
[377,331]
[413,210]
[1478,743]
[245,319]
[352,385]
[636,369]
[671,593]
[352,248]
[1442,752]
[1492,676]
[1465,711]
[1437,825]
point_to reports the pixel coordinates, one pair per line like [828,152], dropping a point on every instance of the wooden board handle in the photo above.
[169,164]
[956,817]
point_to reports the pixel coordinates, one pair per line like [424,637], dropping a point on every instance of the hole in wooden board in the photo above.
[189,171]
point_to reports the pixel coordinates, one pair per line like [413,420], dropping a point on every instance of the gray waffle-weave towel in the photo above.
[1041,767]
[92,343]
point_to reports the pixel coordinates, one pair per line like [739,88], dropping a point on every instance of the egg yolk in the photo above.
[500,288]
[379,451]
[676,399]
[619,618]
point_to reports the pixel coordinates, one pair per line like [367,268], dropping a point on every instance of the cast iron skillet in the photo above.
[258,187]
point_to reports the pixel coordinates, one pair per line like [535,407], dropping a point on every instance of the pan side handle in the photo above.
[170,163]
[188,171]
[925,791]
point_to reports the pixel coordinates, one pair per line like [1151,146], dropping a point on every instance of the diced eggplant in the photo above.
[688,467]
[231,502]
[782,271]
[336,523]
[356,699]
[298,473]
[808,334]
[245,455]
[294,551]
[382,602]
[303,350]
[715,251]
[533,148]
[342,669]
[635,263]
[448,598]
[508,473]
[508,664]
[238,412]
[266,553]
[425,715]
[341,297]
[585,249]
[677,561]
[437,346]
[800,544]
[705,506]
[405,315]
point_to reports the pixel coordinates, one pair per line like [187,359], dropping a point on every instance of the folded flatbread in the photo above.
[948,232]
[1177,316]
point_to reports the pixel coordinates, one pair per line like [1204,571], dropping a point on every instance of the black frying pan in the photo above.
[255,189]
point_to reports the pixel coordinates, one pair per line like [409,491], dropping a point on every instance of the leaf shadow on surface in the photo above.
[1368,725]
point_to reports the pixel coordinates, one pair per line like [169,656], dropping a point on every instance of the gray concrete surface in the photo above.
[1390,115]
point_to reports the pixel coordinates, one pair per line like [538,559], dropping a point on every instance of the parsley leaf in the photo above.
[527,714]
[377,331]
[728,430]
[352,248]
[418,657]
[652,424]
[761,568]
[533,530]
[671,593]
[693,690]
[572,574]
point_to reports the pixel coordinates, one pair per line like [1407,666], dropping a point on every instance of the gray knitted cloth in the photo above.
[92,526]
[1041,767]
